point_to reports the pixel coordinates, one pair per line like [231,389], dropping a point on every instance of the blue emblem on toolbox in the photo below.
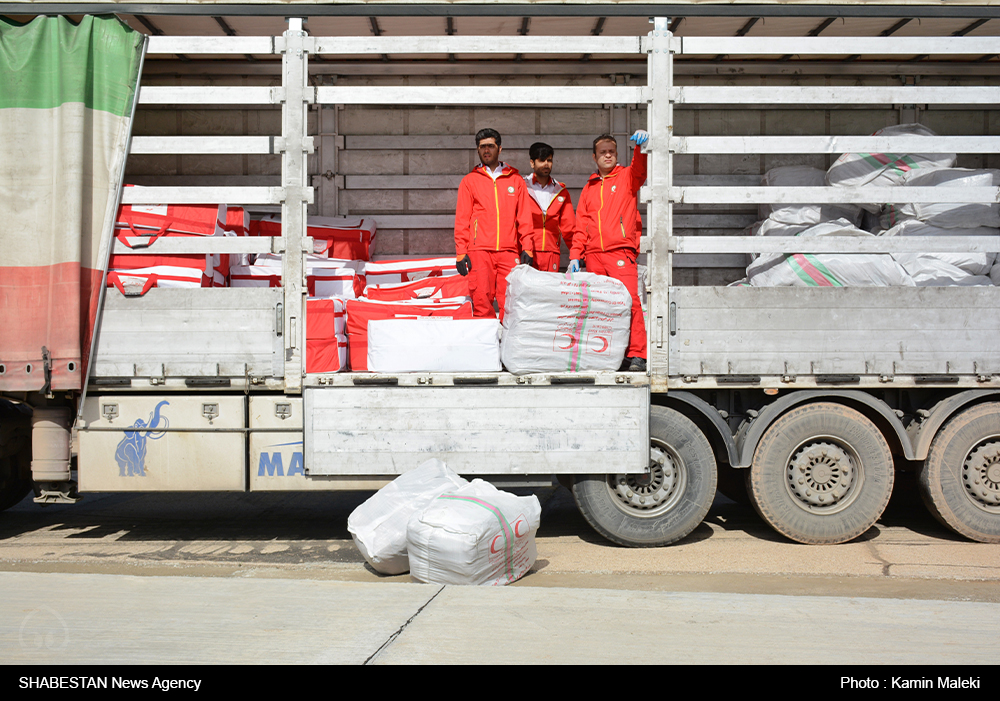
[131,452]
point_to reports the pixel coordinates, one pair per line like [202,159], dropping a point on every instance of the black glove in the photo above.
[464,265]
[526,259]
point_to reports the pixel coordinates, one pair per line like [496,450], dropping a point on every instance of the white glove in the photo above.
[574,266]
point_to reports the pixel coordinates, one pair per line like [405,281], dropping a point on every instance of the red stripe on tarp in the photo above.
[41,306]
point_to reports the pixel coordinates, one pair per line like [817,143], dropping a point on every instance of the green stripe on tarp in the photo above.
[51,61]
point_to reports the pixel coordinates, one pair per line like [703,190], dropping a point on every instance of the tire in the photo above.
[822,474]
[14,485]
[667,504]
[960,479]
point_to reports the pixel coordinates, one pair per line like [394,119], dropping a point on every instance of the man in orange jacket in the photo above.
[492,222]
[608,227]
[551,210]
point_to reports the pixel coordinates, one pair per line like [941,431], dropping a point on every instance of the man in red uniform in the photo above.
[492,222]
[552,208]
[608,227]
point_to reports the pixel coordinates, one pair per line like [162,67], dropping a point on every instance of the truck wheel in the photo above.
[663,506]
[14,485]
[821,474]
[960,479]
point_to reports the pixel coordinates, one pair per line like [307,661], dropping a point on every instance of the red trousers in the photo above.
[547,261]
[488,281]
[621,266]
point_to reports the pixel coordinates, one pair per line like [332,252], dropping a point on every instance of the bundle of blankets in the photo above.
[886,219]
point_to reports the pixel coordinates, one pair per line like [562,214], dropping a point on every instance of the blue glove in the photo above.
[640,137]
[574,266]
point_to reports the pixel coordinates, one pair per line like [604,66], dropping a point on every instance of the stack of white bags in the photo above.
[907,219]
[446,530]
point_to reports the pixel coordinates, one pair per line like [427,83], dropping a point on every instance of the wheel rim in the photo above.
[650,495]
[981,475]
[824,475]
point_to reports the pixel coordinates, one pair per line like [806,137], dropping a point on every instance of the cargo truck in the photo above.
[804,401]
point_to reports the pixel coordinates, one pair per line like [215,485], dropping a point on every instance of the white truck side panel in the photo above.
[501,430]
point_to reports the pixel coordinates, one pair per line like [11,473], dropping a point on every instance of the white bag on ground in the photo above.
[378,526]
[434,344]
[556,322]
[474,535]
[828,269]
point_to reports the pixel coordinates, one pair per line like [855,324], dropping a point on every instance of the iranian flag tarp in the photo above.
[66,95]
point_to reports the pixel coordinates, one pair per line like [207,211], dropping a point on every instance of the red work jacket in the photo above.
[492,215]
[557,220]
[607,218]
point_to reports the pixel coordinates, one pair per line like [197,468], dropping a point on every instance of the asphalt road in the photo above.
[179,578]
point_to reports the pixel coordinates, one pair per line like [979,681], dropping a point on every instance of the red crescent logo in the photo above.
[604,343]
[521,523]
[493,544]
[572,342]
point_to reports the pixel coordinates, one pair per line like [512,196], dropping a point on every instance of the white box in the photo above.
[434,344]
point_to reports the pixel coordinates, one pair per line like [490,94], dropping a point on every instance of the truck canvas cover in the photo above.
[66,94]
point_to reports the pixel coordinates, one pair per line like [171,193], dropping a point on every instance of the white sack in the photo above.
[378,526]
[926,270]
[957,265]
[434,344]
[951,215]
[572,322]
[803,214]
[474,535]
[886,169]
[828,269]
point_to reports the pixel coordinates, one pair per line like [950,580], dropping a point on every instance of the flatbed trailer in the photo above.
[804,401]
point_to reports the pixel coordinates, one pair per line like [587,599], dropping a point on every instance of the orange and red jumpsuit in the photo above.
[492,223]
[608,227]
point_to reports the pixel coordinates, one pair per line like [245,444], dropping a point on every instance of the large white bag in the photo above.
[474,535]
[434,344]
[557,322]
[828,269]
[949,215]
[378,526]
[883,169]
[929,268]
[799,214]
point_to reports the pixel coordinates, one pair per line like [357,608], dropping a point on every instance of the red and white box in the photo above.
[361,311]
[325,277]
[326,335]
[393,272]
[138,281]
[139,226]
[349,238]
[429,288]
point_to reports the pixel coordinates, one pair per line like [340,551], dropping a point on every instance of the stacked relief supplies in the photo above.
[903,269]
[139,226]
[446,530]
[564,322]
[334,273]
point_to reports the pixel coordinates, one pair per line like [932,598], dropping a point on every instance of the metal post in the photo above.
[295,146]
[659,210]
